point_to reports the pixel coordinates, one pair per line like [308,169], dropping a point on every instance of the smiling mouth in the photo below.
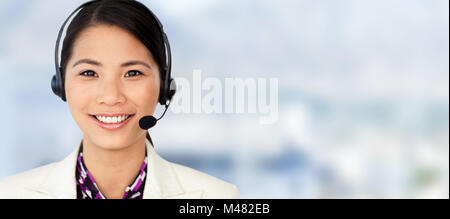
[112,119]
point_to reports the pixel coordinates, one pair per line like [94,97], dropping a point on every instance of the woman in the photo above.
[114,71]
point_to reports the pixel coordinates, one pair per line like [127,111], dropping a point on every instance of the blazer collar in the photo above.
[161,182]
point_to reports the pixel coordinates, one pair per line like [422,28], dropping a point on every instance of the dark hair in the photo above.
[130,15]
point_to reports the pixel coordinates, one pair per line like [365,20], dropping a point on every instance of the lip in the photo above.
[111,126]
[111,114]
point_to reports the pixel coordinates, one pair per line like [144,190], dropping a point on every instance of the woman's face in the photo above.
[111,73]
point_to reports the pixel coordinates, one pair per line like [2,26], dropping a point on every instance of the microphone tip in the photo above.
[147,122]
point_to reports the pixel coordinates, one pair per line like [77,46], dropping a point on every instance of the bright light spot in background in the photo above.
[295,118]
[181,8]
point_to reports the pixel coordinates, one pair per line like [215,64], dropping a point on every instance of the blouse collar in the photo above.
[87,187]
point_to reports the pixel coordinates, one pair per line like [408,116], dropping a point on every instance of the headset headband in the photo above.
[168,87]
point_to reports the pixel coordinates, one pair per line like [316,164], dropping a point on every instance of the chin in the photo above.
[111,142]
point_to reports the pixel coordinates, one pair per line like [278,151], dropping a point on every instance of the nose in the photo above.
[110,93]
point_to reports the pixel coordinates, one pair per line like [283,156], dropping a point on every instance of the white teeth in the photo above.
[114,119]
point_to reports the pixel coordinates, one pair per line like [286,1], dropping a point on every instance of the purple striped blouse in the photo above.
[88,189]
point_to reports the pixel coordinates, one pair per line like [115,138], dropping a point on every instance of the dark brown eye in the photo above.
[89,74]
[133,74]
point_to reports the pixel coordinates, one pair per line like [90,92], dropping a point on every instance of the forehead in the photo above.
[110,43]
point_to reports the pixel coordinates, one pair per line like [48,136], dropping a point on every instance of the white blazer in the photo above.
[164,180]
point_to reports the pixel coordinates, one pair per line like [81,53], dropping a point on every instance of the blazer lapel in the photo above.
[162,181]
[60,181]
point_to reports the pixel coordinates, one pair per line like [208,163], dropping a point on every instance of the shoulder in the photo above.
[212,187]
[15,185]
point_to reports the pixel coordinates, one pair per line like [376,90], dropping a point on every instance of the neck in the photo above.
[114,170]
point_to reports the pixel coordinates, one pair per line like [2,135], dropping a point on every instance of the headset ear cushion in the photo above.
[57,89]
[55,86]
[167,92]
[172,89]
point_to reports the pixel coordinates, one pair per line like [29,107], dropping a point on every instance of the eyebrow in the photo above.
[96,63]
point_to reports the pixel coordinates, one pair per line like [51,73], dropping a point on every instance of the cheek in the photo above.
[78,96]
[144,95]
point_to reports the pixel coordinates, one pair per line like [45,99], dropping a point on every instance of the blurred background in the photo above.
[363,94]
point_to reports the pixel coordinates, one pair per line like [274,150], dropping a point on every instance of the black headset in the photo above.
[168,86]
